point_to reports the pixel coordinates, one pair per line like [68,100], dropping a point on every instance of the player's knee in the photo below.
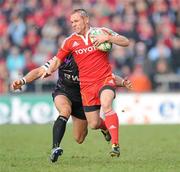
[106,106]
[66,111]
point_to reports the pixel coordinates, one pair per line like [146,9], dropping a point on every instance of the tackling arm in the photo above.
[34,74]
[31,76]
[54,63]
[40,72]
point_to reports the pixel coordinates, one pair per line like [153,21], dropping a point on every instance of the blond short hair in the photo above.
[81,11]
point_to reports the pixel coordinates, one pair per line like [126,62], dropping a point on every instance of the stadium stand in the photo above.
[32,30]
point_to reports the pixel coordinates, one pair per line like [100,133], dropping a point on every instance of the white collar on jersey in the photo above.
[85,39]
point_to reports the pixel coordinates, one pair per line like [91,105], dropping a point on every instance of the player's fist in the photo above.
[17,84]
[127,83]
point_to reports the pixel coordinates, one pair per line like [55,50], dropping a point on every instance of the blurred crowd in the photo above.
[31,31]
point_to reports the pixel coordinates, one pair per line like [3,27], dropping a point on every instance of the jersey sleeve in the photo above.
[64,51]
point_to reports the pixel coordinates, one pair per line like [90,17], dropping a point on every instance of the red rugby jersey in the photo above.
[93,64]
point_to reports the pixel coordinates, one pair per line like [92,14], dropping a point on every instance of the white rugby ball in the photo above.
[106,46]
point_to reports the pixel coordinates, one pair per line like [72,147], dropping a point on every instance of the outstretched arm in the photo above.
[40,72]
[29,77]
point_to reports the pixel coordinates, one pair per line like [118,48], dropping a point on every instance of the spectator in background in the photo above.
[2,55]
[17,29]
[31,39]
[50,33]
[159,51]
[39,18]
[176,55]
[145,31]
[160,8]
[30,65]
[41,55]
[140,57]
[5,46]
[38,25]
[140,81]
[155,54]
[120,59]
[51,29]
[129,21]
[3,25]
[15,63]
[3,77]
[117,23]
[162,66]
[166,30]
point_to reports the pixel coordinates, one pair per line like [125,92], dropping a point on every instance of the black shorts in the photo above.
[77,107]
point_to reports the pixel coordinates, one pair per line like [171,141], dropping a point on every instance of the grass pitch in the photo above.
[26,148]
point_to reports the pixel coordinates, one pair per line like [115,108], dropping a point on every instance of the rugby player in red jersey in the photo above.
[96,80]
[67,99]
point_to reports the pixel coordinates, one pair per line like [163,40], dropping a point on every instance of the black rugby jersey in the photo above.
[68,80]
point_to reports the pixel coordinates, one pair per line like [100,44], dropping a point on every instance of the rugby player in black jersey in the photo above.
[67,99]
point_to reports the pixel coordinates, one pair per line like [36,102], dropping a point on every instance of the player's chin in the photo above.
[75,30]
[78,31]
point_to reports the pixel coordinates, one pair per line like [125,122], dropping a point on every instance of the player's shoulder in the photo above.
[69,39]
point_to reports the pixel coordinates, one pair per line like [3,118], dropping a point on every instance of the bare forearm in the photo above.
[43,72]
[54,64]
[119,40]
[34,74]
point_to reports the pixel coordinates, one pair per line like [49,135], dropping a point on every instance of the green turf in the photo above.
[26,148]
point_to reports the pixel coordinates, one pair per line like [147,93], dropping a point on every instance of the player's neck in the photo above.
[85,31]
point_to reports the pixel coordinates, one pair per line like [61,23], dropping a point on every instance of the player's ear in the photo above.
[87,20]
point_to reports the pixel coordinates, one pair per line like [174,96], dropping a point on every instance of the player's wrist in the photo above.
[108,38]
[23,81]
[122,83]
[46,66]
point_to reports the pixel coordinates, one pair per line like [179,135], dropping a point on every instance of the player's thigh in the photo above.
[63,105]
[79,129]
[106,99]
[93,119]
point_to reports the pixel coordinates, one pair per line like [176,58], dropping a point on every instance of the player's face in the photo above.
[79,23]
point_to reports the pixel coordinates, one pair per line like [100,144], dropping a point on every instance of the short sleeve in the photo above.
[64,51]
